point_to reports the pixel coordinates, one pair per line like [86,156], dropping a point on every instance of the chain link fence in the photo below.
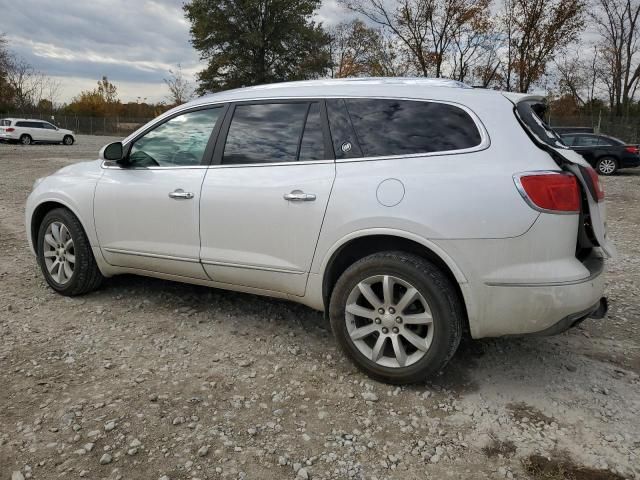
[114,126]
[626,129]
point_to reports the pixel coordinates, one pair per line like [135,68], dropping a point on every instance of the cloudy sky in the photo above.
[133,42]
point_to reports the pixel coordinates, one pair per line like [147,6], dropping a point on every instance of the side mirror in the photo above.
[114,152]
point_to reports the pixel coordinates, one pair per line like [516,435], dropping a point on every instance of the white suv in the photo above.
[30,131]
[407,210]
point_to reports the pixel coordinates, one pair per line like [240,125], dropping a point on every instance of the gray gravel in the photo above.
[150,379]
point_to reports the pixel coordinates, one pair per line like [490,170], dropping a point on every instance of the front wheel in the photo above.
[68,140]
[65,256]
[607,166]
[397,316]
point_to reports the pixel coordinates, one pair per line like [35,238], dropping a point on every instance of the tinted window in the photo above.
[343,137]
[312,145]
[589,141]
[531,114]
[48,126]
[178,142]
[265,133]
[28,124]
[403,127]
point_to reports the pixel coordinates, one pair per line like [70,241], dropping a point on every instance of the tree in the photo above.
[619,27]
[249,42]
[6,91]
[100,102]
[180,89]
[426,28]
[536,30]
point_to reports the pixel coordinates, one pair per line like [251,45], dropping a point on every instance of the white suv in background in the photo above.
[408,210]
[30,131]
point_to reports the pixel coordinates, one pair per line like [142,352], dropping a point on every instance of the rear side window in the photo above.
[27,124]
[274,133]
[404,127]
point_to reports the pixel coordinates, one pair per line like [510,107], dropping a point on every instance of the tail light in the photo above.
[632,149]
[551,192]
[597,186]
[10,129]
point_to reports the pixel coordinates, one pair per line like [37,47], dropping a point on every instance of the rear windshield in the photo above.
[532,116]
[5,123]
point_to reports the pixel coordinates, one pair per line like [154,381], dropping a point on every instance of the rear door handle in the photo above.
[180,194]
[299,196]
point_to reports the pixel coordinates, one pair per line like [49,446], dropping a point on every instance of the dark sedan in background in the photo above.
[606,154]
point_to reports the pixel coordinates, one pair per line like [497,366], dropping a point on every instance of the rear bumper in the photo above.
[541,309]
[630,162]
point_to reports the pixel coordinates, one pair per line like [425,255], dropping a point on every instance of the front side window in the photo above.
[48,126]
[265,133]
[405,127]
[178,142]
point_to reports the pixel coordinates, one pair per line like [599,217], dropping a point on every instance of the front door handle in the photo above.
[299,196]
[180,194]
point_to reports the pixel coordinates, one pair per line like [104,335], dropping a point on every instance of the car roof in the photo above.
[421,88]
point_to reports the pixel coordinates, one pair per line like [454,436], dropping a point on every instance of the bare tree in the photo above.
[426,28]
[535,31]
[25,83]
[473,40]
[180,89]
[618,24]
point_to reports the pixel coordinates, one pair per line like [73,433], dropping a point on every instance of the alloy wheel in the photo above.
[389,321]
[59,252]
[607,166]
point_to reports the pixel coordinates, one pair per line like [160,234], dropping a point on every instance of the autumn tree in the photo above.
[426,28]
[100,102]
[618,23]
[249,42]
[536,31]
[6,92]
[180,89]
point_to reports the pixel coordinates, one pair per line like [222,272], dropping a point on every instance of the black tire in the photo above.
[436,288]
[26,139]
[607,166]
[86,275]
[68,140]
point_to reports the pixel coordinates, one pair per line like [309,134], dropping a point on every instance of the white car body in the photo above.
[16,129]
[515,266]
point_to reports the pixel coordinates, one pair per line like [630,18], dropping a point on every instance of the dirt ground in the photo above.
[149,379]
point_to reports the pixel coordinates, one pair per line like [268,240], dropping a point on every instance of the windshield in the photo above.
[531,115]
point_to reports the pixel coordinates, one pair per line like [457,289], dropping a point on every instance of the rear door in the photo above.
[264,199]
[569,160]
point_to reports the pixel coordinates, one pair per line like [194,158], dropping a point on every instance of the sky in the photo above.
[133,42]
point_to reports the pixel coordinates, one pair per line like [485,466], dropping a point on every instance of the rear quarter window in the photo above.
[387,127]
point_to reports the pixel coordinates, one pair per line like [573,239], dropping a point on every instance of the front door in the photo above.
[264,199]
[147,212]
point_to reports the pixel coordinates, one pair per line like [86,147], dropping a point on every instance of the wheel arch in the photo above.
[358,246]
[41,210]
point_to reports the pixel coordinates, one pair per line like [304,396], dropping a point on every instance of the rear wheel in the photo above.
[65,256]
[68,140]
[26,139]
[607,166]
[397,316]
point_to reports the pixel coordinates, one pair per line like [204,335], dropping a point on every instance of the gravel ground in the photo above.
[149,379]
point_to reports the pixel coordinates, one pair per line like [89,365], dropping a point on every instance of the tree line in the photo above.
[513,45]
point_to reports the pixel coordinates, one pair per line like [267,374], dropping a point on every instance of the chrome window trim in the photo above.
[485,141]
[251,267]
